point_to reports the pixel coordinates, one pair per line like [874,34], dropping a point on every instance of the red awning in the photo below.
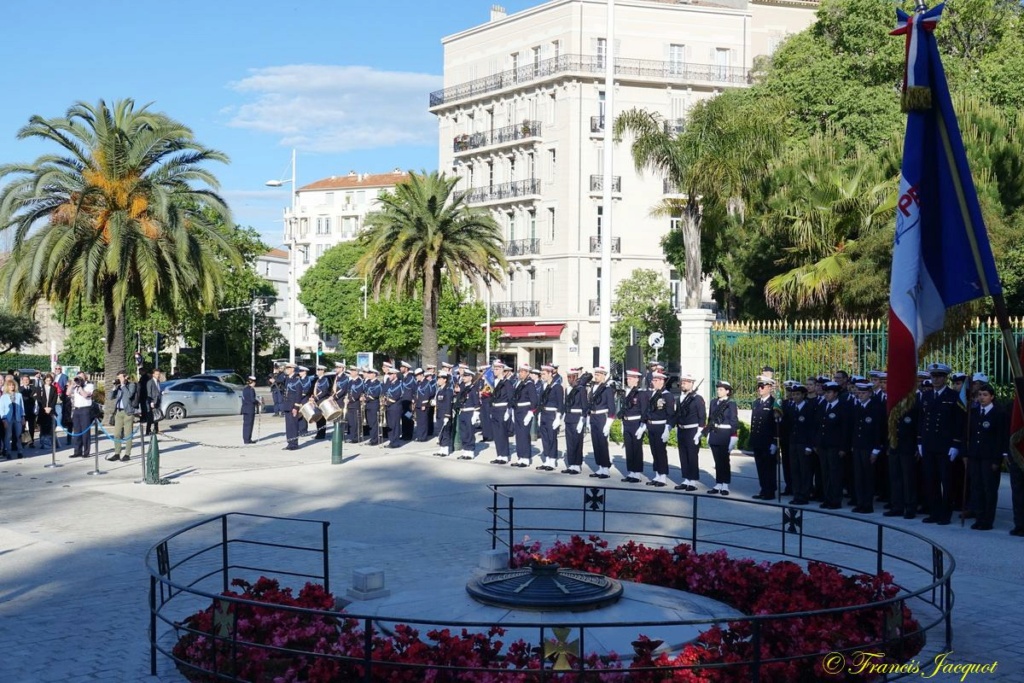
[529,331]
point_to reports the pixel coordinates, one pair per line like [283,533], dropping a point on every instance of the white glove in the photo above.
[445,422]
[527,419]
[579,427]
[433,402]
[808,451]
[641,431]
[696,438]
[557,422]
[953,452]
[875,452]
[664,435]
[408,415]
[476,418]
[920,451]
[732,443]
[508,415]
[772,449]
[607,428]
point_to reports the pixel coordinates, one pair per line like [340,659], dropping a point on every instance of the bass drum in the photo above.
[310,413]
[332,412]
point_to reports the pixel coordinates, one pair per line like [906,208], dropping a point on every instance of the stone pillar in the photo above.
[695,347]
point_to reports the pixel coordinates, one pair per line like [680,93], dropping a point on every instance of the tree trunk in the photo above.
[691,242]
[113,348]
[431,295]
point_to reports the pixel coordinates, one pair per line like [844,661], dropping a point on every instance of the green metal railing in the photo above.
[800,350]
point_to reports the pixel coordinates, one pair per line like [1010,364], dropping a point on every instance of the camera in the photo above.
[79,382]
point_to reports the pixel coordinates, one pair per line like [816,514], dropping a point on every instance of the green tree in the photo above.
[119,214]
[392,327]
[331,301]
[711,161]
[423,234]
[643,302]
[462,322]
[17,330]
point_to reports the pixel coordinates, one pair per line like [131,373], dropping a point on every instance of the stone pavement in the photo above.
[73,588]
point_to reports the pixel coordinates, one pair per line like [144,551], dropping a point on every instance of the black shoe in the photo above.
[658,484]
[864,511]
[976,525]
[112,458]
[892,513]
[497,461]
[929,520]
[984,527]
[630,480]
[713,491]
[649,483]
[594,475]
[943,522]
[970,515]
[723,492]
[758,496]
[681,487]
[1017,531]
[691,487]
[125,458]
[909,515]
[798,501]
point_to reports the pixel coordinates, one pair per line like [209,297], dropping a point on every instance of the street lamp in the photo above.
[364,289]
[293,296]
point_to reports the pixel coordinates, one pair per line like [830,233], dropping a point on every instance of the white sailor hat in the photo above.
[767,381]
[957,376]
[372,371]
[875,374]
[633,373]
[447,366]
[796,386]
[353,368]
[601,369]
[391,370]
[831,386]
[251,378]
[724,384]
[535,371]
[922,374]
[321,366]
[548,367]
[524,366]
[431,366]
[496,362]
[979,377]
[387,364]
[789,384]
[444,374]
[658,375]
[864,386]
[481,368]
[405,364]
[575,371]
[302,368]
[418,371]
[858,378]
[939,369]
[290,365]
[339,364]
[687,377]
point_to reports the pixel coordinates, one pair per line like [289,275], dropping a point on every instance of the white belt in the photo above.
[634,417]
[499,405]
[576,410]
[658,422]
[470,410]
[553,410]
[723,426]
[693,426]
[523,404]
[603,411]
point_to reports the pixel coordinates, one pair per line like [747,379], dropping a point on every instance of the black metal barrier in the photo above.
[211,555]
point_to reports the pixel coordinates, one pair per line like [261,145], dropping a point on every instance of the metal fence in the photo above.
[797,351]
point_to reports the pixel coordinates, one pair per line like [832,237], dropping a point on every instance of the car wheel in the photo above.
[175,411]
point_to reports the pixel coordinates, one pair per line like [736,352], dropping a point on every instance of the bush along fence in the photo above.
[808,348]
[18,361]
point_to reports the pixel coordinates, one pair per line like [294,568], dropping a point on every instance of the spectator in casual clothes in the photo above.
[12,412]
[29,402]
[153,401]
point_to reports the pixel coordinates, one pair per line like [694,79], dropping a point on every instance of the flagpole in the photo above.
[1010,344]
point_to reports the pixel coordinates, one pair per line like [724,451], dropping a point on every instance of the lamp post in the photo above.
[293,297]
[605,291]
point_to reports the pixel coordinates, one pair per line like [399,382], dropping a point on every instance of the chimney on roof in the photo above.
[498,12]
[397,170]
[351,174]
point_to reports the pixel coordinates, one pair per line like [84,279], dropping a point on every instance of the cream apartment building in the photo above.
[326,212]
[522,120]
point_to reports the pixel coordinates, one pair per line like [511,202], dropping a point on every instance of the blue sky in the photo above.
[344,82]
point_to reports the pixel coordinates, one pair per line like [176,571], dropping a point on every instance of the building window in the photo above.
[602,52]
[531,283]
[676,59]
[722,62]
[536,60]
[549,286]
[531,166]
[556,49]
[551,108]
[329,199]
[512,168]
[360,197]
[600,220]
[304,329]
[320,250]
[304,252]
[515,67]
[552,165]
[597,283]
[511,216]
[533,224]
[551,223]
[674,285]
[675,223]
[323,225]
[490,173]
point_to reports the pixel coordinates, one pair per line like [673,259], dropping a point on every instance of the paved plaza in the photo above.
[73,588]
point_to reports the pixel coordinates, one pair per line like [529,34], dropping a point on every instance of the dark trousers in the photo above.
[548,435]
[634,446]
[524,435]
[599,440]
[321,428]
[937,483]
[352,422]
[787,472]
[421,430]
[1017,493]
[395,418]
[248,420]
[831,476]
[688,453]
[765,464]
[800,470]
[407,425]
[373,420]
[817,482]
[723,464]
[81,418]
[863,479]
[485,419]
[291,429]
[444,431]
[303,425]
[573,443]
[659,448]
[467,435]
[278,402]
[903,481]
[500,432]
[984,476]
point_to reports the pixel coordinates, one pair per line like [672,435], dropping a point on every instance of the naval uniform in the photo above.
[249,406]
[372,390]
[407,383]
[832,444]
[903,466]
[577,409]
[940,427]
[307,392]
[763,432]
[634,405]
[799,421]
[469,408]
[501,402]
[294,397]
[988,443]
[355,393]
[525,399]
[690,418]
[443,424]
[723,424]
[551,404]
[392,397]
[602,413]
[421,402]
[660,418]
[322,389]
[867,441]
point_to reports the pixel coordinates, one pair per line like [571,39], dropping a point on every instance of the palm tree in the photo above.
[113,218]
[422,234]
[721,148]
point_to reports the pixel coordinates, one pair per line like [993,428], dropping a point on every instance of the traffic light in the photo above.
[319,349]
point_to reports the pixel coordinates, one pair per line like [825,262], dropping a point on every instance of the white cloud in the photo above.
[337,108]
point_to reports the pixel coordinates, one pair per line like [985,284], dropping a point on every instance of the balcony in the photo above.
[674,126]
[524,247]
[499,136]
[595,307]
[596,124]
[515,309]
[595,245]
[597,183]
[625,69]
[503,191]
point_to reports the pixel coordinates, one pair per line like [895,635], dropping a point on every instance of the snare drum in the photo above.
[332,412]
[310,413]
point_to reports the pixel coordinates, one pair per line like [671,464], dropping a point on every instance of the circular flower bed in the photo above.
[754,588]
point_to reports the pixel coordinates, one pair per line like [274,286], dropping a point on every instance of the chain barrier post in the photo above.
[53,444]
[95,426]
[337,439]
[153,461]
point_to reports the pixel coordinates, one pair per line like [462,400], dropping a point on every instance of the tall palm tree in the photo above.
[710,160]
[121,213]
[422,234]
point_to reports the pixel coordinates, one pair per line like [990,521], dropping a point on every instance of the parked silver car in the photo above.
[193,397]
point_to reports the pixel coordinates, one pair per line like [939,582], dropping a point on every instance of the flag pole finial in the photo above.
[919,6]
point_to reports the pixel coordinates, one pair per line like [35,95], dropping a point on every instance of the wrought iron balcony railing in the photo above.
[597,183]
[595,245]
[498,136]
[491,193]
[675,72]
[515,309]
[524,247]
[674,126]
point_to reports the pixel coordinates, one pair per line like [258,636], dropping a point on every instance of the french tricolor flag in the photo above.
[941,254]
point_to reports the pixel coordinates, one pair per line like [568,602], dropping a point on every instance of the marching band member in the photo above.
[321,390]
[501,412]
[423,393]
[354,394]
[392,397]
[294,397]
[372,390]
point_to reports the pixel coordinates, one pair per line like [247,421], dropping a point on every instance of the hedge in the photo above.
[16,361]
